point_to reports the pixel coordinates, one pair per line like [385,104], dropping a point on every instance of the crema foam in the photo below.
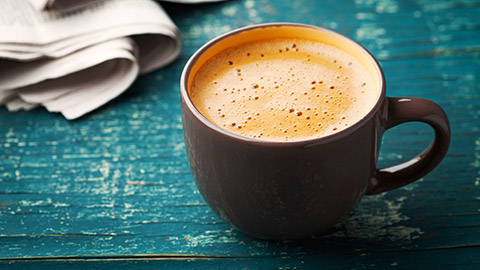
[283,90]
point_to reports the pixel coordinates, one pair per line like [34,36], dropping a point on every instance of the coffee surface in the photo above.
[283,90]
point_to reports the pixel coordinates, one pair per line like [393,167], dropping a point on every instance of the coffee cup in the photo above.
[283,125]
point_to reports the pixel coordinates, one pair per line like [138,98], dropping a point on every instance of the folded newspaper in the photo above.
[74,56]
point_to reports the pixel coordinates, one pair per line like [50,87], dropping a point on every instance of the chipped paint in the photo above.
[209,238]
[252,9]
[476,161]
[371,33]
[380,6]
[381,222]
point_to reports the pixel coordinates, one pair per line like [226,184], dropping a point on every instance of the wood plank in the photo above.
[437,259]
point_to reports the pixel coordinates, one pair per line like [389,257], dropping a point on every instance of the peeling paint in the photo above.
[376,223]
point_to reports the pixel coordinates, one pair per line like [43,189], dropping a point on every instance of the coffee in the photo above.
[283,89]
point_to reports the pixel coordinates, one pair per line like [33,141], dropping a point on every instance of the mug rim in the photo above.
[300,143]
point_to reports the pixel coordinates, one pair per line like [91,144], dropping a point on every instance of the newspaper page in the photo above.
[73,4]
[76,60]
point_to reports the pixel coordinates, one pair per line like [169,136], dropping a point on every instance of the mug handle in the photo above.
[402,110]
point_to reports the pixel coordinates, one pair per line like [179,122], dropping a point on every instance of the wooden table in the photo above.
[114,189]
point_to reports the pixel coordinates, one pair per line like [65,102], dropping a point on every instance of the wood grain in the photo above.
[114,189]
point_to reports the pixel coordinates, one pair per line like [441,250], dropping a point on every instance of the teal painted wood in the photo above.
[114,189]
[395,260]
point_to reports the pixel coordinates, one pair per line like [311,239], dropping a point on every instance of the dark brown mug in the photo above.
[291,190]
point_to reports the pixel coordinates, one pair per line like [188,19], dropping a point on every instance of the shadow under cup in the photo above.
[292,190]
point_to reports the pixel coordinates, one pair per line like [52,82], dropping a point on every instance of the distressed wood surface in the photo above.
[114,189]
